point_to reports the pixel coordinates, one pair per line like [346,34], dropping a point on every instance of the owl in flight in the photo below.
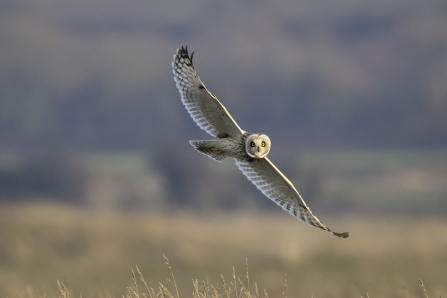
[249,150]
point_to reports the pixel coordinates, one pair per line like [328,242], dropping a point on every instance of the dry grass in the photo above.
[237,288]
[89,253]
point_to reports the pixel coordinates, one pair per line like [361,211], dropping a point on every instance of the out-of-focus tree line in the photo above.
[82,77]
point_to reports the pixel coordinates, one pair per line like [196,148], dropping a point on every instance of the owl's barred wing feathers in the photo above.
[273,184]
[204,108]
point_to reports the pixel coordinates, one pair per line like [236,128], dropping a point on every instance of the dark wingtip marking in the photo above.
[184,54]
[342,235]
[201,87]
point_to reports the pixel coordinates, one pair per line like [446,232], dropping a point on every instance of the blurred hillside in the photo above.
[80,78]
[95,74]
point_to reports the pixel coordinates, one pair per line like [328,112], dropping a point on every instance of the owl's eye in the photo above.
[263,144]
[252,144]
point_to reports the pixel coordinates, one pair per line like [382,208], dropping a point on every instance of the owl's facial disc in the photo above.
[257,145]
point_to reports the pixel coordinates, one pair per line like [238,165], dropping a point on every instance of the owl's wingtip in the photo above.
[341,235]
[182,52]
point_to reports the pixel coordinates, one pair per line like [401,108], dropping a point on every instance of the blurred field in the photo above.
[92,252]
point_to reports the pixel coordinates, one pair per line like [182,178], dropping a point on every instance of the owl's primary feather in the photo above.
[207,111]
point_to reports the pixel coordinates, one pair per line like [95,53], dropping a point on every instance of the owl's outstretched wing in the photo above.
[272,183]
[204,108]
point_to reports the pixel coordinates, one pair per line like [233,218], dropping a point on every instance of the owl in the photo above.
[249,150]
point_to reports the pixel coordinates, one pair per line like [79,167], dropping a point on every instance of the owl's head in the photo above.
[257,145]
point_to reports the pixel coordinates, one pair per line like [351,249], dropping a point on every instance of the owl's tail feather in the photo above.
[209,149]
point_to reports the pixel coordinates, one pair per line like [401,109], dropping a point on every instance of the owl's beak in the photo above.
[257,153]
